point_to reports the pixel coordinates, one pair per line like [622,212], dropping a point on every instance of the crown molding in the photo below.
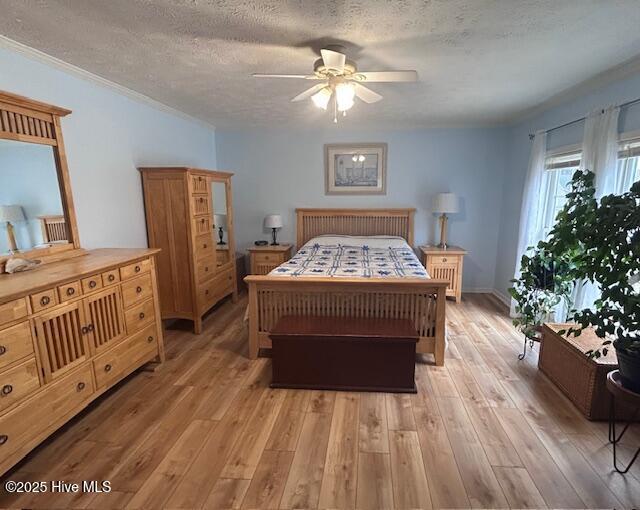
[78,72]
[600,80]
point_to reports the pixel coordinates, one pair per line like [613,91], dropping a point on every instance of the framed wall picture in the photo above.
[356,169]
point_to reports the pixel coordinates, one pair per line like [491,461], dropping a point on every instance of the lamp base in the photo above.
[274,233]
[443,232]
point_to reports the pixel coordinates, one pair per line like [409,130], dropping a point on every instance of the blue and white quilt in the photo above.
[354,256]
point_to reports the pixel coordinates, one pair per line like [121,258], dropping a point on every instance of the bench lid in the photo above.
[295,325]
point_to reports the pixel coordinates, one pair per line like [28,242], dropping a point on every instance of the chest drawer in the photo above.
[43,300]
[110,277]
[91,283]
[18,383]
[34,419]
[205,268]
[139,316]
[125,357]
[204,246]
[69,291]
[199,184]
[143,266]
[136,290]
[15,343]
[202,225]
[13,310]
[200,204]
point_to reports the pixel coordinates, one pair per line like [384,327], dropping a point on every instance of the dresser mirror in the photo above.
[31,212]
[37,219]
[219,197]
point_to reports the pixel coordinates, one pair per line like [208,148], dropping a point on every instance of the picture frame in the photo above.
[355,169]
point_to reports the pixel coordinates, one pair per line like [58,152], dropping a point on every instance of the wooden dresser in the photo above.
[194,272]
[69,330]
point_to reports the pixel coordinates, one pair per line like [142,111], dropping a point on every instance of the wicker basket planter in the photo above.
[583,380]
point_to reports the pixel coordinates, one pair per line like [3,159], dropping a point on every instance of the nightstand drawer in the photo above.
[269,258]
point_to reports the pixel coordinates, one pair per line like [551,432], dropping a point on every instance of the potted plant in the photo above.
[610,235]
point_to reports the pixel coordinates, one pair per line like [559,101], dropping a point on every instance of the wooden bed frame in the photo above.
[418,299]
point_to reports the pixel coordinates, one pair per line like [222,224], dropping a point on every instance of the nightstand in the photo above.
[266,258]
[445,264]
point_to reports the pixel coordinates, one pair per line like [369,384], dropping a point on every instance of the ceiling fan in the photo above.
[341,81]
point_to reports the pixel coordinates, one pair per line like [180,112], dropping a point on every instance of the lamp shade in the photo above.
[11,213]
[273,221]
[445,203]
[220,220]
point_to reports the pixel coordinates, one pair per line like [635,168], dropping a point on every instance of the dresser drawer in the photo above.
[125,357]
[205,269]
[204,246]
[200,204]
[92,283]
[15,343]
[35,418]
[43,300]
[202,225]
[69,291]
[139,316]
[143,266]
[110,277]
[18,383]
[13,311]
[136,290]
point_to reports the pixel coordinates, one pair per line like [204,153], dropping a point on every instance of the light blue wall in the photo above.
[107,137]
[519,147]
[279,170]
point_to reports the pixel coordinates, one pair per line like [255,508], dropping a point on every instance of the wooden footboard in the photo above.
[420,300]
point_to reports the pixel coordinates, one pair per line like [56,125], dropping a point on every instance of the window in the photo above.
[628,170]
[556,184]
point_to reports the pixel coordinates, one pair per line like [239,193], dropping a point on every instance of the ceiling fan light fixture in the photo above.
[322,97]
[345,94]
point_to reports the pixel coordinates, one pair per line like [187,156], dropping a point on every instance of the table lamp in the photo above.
[445,203]
[274,222]
[11,214]
[220,221]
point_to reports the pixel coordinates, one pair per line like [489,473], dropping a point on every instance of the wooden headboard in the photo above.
[355,222]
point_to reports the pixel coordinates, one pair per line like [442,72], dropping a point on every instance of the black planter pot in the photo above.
[629,366]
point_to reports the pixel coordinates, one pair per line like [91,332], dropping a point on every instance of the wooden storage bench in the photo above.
[583,380]
[339,353]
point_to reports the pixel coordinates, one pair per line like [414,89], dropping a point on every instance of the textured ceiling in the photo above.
[479,61]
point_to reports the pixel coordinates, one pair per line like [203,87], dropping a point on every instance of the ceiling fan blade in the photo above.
[381,76]
[367,95]
[300,76]
[309,92]
[333,59]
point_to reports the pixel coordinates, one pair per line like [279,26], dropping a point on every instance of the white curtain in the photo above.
[600,148]
[531,213]
[600,155]
[626,174]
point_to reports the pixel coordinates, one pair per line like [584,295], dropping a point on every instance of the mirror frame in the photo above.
[26,120]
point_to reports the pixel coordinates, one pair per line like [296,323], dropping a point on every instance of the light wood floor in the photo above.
[485,431]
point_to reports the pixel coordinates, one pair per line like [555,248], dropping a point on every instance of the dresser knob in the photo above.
[141,315]
[71,291]
[3,439]
[45,300]
[107,368]
[84,330]
[6,389]
[206,269]
[111,277]
[92,284]
[80,386]
[3,350]
[90,327]
[137,269]
[150,338]
[138,290]
[204,245]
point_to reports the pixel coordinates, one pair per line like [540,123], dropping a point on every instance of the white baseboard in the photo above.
[504,299]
